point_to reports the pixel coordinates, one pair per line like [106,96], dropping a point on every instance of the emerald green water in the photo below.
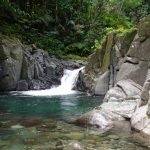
[41,123]
[61,106]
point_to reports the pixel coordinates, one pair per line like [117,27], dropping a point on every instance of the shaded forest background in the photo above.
[72,28]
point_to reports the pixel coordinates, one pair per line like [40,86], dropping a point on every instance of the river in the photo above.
[40,120]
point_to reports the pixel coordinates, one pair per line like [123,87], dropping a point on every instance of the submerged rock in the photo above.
[45,127]
[18,126]
[29,122]
[73,146]
[93,118]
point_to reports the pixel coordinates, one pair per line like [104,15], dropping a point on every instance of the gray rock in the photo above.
[73,64]
[11,56]
[148,109]
[114,94]
[140,50]
[137,73]
[120,109]
[140,121]
[22,85]
[39,84]
[145,92]
[114,137]
[134,48]
[80,84]
[74,146]
[144,50]
[95,119]
[144,27]
[28,66]
[38,71]
[121,91]
[108,113]
[132,60]
[130,88]
[102,84]
[34,85]
[85,82]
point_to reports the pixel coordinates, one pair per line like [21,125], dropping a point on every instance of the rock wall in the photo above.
[125,78]
[102,68]
[24,67]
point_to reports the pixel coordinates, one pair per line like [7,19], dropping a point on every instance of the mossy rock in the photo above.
[107,54]
[16,56]
[9,48]
[3,55]
[125,39]
[144,27]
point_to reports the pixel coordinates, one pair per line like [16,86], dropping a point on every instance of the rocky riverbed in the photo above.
[54,134]
[120,70]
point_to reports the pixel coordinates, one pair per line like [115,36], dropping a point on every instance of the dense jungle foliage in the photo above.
[69,27]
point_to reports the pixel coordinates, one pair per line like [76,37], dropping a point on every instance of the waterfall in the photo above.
[67,83]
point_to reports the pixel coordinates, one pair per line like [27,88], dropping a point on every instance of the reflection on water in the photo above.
[58,105]
[38,123]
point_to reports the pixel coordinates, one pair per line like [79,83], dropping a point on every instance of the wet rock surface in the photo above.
[127,83]
[24,67]
[64,136]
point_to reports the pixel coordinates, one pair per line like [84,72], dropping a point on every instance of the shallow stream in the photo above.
[41,123]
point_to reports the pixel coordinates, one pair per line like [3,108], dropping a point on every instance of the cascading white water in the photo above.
[67,83]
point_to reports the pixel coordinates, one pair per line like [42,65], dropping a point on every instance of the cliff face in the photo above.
[121,70]
[24,67]
[103,66]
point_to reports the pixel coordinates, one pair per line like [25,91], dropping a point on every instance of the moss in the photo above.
[107,54]
[124,32]
[144,27]
[74,57]
[125,38]
[3,56]
[16,56]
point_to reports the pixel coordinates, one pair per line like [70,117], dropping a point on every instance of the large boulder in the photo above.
[140,121]
[108,58]
[145,92]
[148,109]
[140,49]
[41,84]
[28,65]
[40,70]
[144,28]
[11,57]
[124,89]
[105,115]
[135,72]
[102,84]
[22,85]
[119,110]
[93,118]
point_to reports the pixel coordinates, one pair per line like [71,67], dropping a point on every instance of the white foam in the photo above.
[67,83]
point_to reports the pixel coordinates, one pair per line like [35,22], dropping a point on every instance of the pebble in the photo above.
[114,137]
[18,126]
